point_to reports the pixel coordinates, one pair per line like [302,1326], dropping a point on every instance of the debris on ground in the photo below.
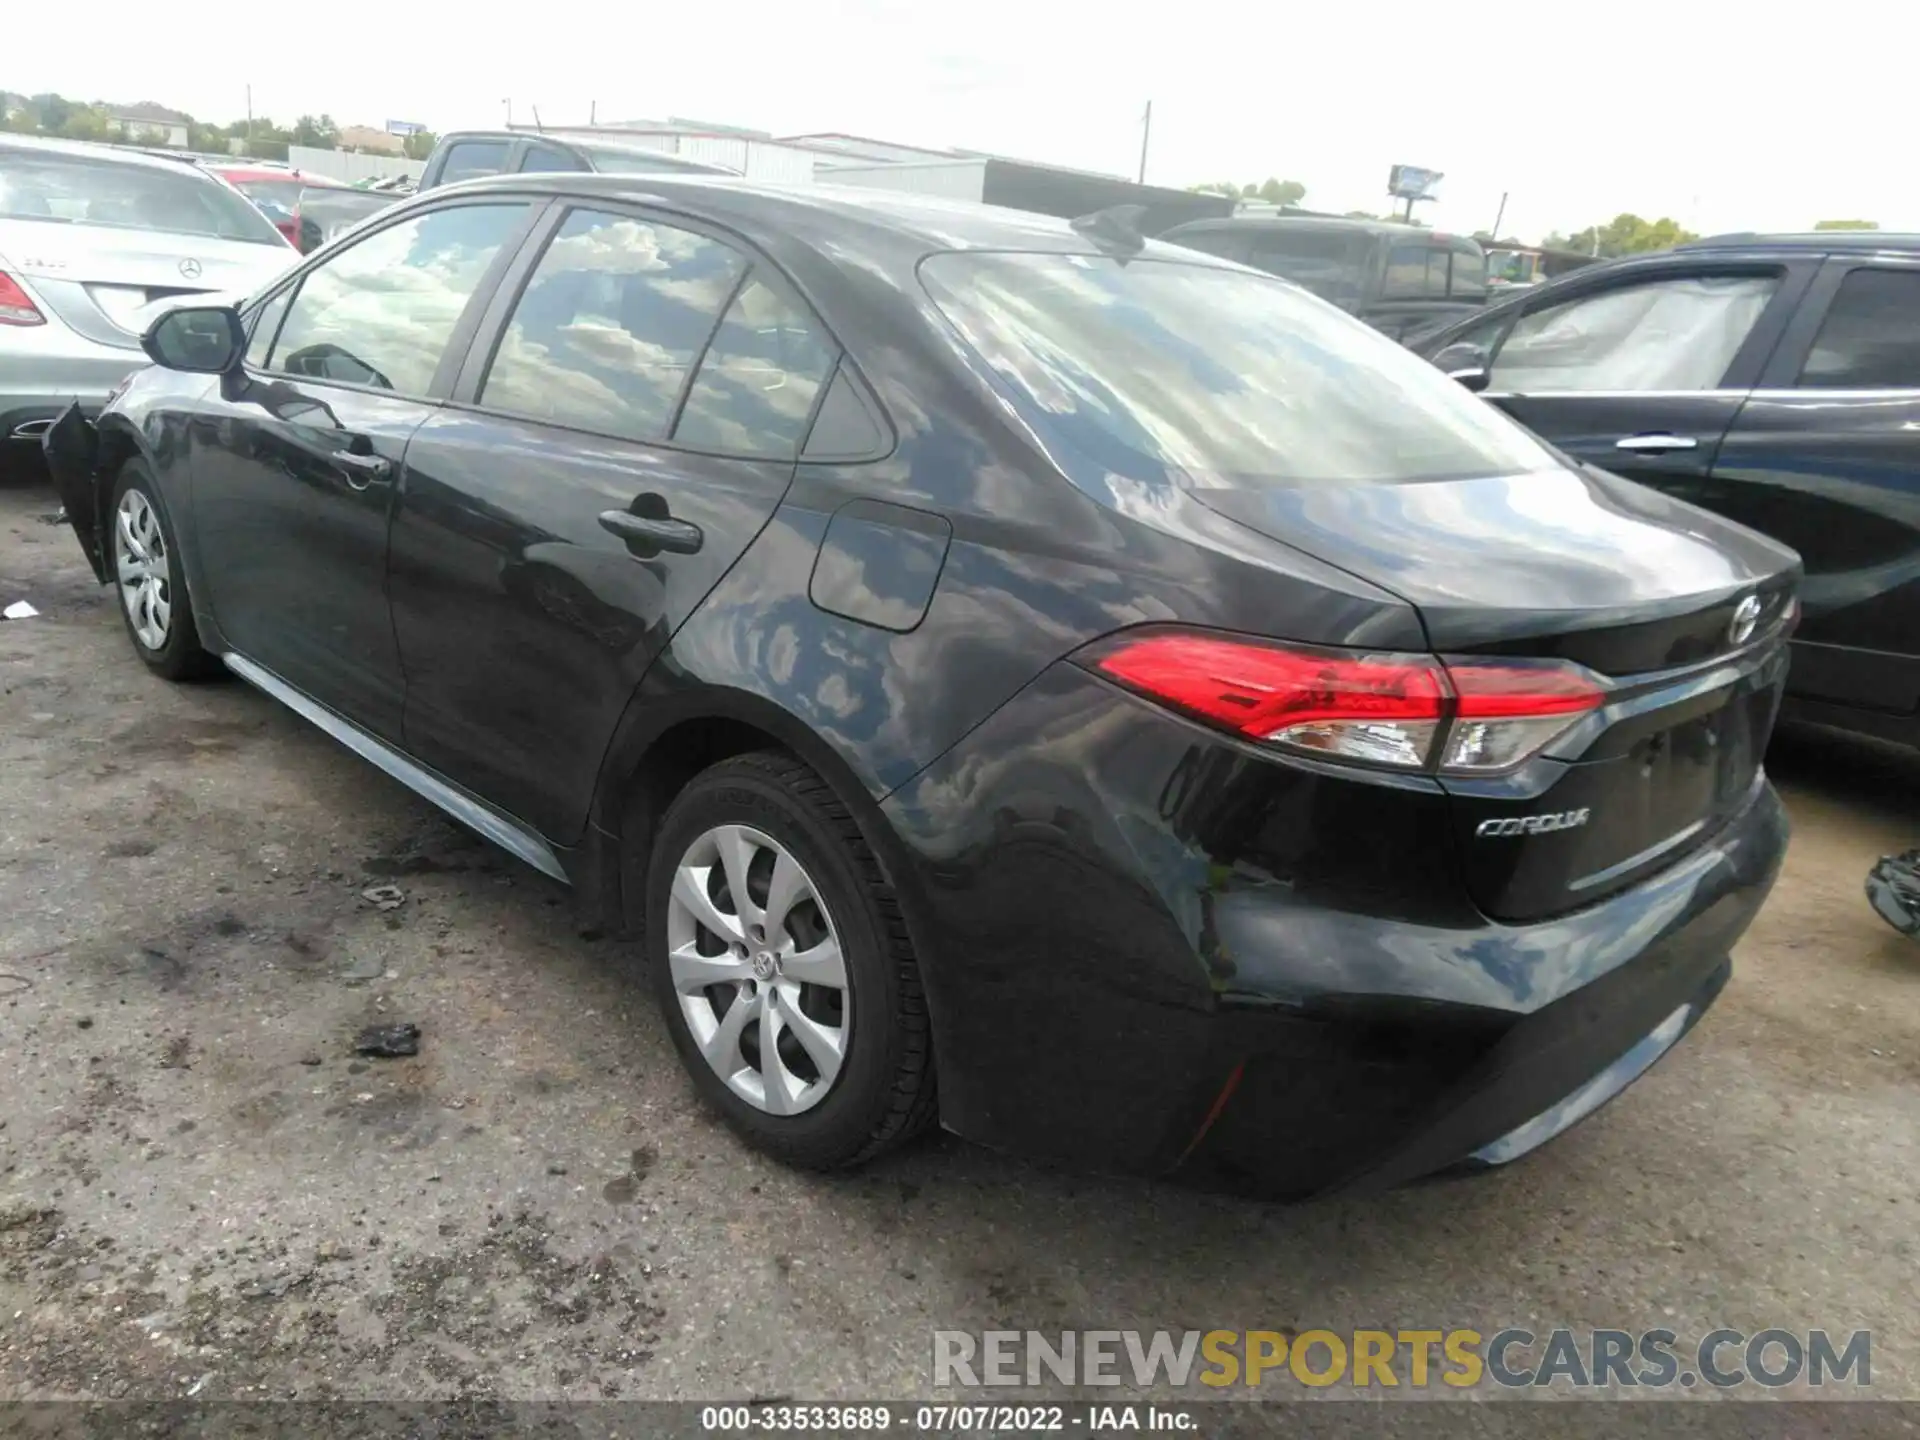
[365,970]
[1893,889]
[388,1042]
[384,897]
[19,610]
[58,517]
[275,1286]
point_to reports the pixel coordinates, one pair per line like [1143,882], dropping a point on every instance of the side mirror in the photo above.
[1466,362]
[199,339]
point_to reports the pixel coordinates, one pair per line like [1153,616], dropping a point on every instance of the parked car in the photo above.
[277,191]
[1774,379]
[1400,279]
[325,213]
[967,644]
[465,154]
[89,235]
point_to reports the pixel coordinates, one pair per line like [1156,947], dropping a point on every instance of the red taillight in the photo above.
[1408,711]
[15,307]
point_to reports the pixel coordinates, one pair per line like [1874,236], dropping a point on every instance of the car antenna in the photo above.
[536,121]
[1116,229]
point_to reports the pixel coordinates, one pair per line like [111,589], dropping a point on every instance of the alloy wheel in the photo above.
[140,563]
[757,968]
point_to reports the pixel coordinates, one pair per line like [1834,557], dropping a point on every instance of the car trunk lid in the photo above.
[1681,615]
[95,278]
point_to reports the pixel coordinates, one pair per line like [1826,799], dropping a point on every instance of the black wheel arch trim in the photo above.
[613,871]
[121,440]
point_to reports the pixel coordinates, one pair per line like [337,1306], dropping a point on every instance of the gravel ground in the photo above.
[203,1192]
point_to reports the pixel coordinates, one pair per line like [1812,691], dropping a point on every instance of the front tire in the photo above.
[795,1006]
[151,582]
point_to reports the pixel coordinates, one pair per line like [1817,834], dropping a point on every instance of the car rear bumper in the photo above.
[45,368]
[1149,948]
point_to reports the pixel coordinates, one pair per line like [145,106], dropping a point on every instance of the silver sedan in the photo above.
[90,235]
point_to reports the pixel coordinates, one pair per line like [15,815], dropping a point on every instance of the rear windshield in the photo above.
[73,189]
[1158,369]
[283,193]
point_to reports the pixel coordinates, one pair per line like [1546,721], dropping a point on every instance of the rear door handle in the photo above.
[680,537]
[1655,444]
[362,470]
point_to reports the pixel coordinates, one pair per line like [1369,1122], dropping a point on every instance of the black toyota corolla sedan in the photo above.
[1008,672]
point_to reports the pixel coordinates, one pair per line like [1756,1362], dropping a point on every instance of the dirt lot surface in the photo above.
[203,1192]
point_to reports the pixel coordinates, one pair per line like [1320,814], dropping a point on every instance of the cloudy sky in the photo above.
[1720,117]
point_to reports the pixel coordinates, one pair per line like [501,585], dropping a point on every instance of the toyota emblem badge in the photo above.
[1746,619]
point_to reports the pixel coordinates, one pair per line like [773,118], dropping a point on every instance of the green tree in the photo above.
[319,132]
[50,111]
[1846,224]
[87,122]
[420,144]
[1281,192]
[1625,234]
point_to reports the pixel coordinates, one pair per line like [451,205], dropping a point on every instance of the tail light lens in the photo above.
[1409,712]
[15,306]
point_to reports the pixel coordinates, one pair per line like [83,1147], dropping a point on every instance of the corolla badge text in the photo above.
[1532,824]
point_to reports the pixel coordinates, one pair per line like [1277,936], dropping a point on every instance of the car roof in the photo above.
[577,141]
[1810,241]
[89,150]
[939,224]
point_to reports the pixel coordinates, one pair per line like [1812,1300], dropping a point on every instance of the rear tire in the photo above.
[150,581]
[729,976]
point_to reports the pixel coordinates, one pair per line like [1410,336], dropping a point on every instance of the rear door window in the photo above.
[1870,338]
[1157,369]
[759,378]
[1409,274]
[612,321]
[468,158]
[1679,333]
[1330,263]
[1467,273]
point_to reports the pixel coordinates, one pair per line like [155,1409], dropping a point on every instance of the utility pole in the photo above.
[508,102]
[1146,134]
[247,144]
[593,112]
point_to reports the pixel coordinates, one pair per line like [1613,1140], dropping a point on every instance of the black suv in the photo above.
[465,154]
[1401,279]
[1773,378]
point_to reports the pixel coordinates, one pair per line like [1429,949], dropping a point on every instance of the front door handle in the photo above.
[679,537]
[1656,444]
[362,470]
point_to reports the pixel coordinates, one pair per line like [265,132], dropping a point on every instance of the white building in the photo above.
[148,123]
